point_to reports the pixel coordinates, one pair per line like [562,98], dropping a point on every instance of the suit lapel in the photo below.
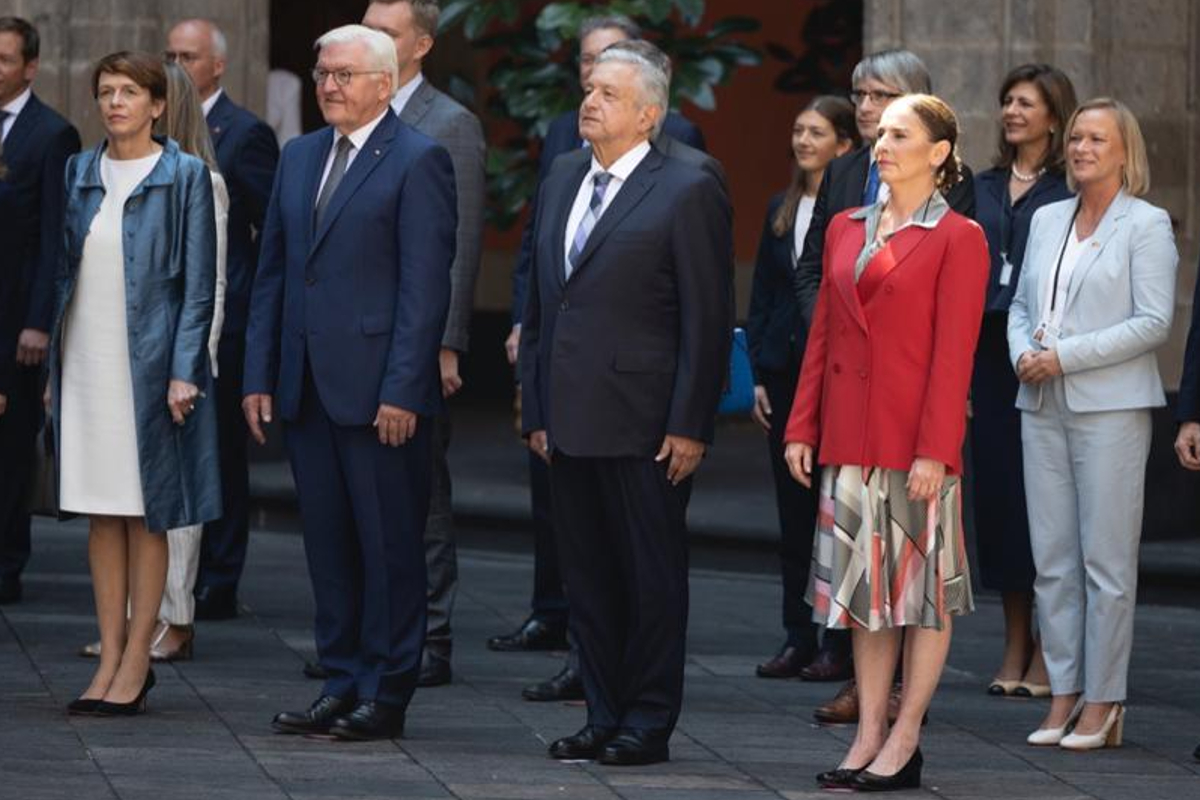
[560,215]
[418,105]
[21,133]
[641,181]
[848,246]
[854,181]
[1108,226]
[218,119]
[363,165]
[314,169]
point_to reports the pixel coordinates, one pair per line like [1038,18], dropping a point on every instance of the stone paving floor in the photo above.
[740,738]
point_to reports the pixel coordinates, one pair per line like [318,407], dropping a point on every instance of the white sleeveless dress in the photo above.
[99,455]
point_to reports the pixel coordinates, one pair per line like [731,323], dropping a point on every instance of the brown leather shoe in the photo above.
[162,651]
[829,665]
[787,664]
[843,708]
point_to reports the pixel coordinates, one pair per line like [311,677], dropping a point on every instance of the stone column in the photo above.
[1146,54]
[75,33]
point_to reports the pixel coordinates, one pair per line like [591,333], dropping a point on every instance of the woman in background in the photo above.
[824,130]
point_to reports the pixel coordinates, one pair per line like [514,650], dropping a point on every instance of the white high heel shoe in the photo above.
[1109,734]
[1045,737]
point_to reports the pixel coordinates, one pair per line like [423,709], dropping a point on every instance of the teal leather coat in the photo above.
[170,275]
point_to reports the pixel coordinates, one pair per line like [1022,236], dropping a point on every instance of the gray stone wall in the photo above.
[1146,53]
[75,33]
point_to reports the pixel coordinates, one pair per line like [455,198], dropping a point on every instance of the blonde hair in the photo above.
[183,118]
[1135,177]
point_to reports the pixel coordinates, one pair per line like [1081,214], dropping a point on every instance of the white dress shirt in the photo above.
[804,213]
[208,104]
[405,93]
[14,108]
[620,171]
[357,139]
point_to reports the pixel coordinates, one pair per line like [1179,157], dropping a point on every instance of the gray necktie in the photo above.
[336,173]
[591,215]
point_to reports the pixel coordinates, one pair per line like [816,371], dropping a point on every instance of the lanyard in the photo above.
[1061,253]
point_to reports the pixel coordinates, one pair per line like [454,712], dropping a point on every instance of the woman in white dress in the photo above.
[183,121]
[130,367]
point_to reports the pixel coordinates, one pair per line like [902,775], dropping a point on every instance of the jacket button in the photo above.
[889,289]
[565,305]
[862,373]
[310,280]
[837,369]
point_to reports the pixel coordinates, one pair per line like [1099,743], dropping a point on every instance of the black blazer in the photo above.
[31,224]
[773,322]
[634,345]
[842,188]
[1188,408]
[561,138]
[247,153]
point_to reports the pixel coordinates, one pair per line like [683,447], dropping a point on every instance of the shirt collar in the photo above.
[624,166]
[927,216]
[359,137]
[208,104]
[405,93]
[17,104]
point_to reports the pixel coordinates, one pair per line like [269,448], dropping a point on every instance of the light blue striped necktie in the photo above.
[599,185]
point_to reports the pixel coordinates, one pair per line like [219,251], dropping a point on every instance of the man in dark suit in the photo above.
[346,321]
[411,25]
[623,349]
[546,627]
[247,154]
[851,181]
[35,143]
[1187,410]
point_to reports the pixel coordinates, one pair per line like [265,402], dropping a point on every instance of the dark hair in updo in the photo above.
[941,124]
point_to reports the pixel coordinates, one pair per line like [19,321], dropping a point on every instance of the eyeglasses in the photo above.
[876,97]
[341,77]
[182,58]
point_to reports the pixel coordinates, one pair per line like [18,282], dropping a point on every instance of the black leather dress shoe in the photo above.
[370,720]
[216,603]
[840,778]
[314,671]
[10,590]
[566,685]
[909,777]
[586,744]
[1196,753]
[434,672]
[534,634]
[636,748]
[316,719]
[829,665]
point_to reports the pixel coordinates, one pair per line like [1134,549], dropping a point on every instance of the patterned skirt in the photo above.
[881,561]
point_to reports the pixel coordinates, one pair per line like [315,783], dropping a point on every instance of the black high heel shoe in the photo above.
[909,777]
[840,778]
[83,706]
[135,706]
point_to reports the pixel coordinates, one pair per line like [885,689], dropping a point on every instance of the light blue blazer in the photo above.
[1118,310]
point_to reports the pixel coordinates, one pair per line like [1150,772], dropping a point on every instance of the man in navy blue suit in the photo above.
[624,343]
[35,143]
[345,326]
[546,626]
[247,153]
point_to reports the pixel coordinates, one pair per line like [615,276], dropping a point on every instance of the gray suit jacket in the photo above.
[1118,310]
[443,119]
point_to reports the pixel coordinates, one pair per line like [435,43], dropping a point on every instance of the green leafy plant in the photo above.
[535,76]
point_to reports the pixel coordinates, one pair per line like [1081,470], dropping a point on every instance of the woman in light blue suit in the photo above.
[1095,300]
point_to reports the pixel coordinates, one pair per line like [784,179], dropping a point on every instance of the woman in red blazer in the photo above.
[883,395]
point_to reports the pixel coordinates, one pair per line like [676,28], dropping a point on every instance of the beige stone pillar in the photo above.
[75,33]
[1145,53]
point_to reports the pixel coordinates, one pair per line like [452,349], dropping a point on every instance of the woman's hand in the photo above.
[799,458]
[761,413]
[925,479]
[181,400]
[1038,367]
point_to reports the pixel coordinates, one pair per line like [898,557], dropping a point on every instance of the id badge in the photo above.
[1045,337]
[1006,270]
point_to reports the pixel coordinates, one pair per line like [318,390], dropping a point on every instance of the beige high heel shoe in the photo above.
[1045,737]
[1109,734]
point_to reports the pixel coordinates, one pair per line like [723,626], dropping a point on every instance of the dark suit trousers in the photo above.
[223,545]
[622,539]
[549,600]
[441,556]
[363,508]
[797,513]
[18,437]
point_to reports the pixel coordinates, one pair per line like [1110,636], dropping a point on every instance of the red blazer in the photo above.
[888,363]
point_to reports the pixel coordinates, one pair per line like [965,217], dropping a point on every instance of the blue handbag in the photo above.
[738,396]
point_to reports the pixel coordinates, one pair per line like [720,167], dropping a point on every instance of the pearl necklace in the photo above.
[1023,178]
